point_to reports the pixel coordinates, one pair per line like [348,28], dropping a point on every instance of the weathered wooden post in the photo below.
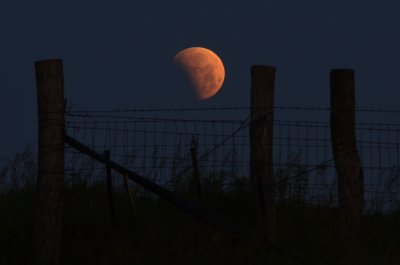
[261,160]
[110,190]
[49,204]
[347,162]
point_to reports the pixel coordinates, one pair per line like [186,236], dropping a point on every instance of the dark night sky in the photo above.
[117,54]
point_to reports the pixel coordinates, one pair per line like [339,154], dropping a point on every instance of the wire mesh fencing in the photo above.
[158,143]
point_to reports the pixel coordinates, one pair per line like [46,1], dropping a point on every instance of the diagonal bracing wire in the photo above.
[184,204]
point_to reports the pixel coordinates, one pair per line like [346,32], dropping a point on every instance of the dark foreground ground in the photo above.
[164,235]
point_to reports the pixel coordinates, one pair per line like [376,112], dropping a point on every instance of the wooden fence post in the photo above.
[49,204]
[110,190]
[261,159]
[347,162]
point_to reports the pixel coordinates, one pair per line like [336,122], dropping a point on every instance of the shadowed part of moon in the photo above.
[204,69]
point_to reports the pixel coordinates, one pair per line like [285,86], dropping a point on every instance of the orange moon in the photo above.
[204,69]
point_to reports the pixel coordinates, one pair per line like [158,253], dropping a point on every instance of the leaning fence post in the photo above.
[347,162]
[49,202]
[110,190]
[261,160]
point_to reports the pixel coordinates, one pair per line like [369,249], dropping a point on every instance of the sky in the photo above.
[118,54]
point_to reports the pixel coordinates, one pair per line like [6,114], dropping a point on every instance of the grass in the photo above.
[165,235]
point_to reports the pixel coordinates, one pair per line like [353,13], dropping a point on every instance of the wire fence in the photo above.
[157,143]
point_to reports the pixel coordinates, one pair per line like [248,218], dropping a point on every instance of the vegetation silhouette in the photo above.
[166,235]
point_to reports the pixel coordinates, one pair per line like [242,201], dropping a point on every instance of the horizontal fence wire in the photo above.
[159,148]
[234,108]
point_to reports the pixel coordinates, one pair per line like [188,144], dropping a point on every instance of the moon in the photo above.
[204,69]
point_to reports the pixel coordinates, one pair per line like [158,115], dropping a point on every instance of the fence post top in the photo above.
[257,67]
[49,61]
[342,71]
[51,66]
